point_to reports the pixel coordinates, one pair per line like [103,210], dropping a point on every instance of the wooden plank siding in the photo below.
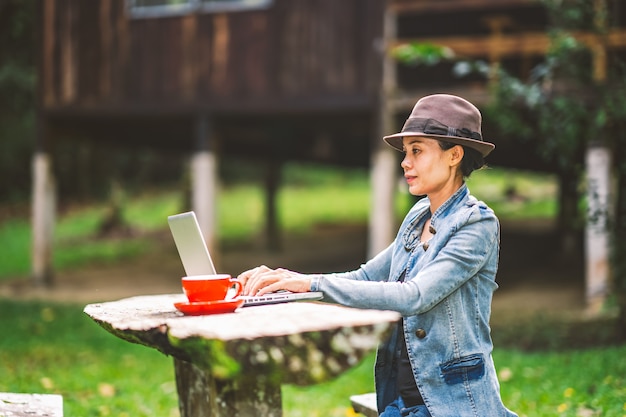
[305,68]
[295,53]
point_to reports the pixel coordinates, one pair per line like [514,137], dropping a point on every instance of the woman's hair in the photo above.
[472,159]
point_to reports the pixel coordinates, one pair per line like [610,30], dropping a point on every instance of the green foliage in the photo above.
[419,53]
[560,107]
[563,108]
[559,125]
[572,14]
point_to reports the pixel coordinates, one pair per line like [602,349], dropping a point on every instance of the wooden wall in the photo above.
[294,54]
[301,78]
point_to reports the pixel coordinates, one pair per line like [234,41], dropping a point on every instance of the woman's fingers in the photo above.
[251,279]
[287,280]
[261,280]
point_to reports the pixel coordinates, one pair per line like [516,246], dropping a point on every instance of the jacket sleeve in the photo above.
[460,259]
[376,269]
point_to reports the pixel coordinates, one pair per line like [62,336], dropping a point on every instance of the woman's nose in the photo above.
[405,162]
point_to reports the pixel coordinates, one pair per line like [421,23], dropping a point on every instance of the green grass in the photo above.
[15,238]
[516,195]
[53,348]
[572,383]
[56,349]
[546,384]
[310,196]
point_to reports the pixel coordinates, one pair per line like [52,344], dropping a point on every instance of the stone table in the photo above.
[30,405]
[233,364]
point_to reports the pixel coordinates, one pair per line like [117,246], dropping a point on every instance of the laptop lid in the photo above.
[190,243]
[196,259]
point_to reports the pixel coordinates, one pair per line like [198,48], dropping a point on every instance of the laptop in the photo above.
[197,260]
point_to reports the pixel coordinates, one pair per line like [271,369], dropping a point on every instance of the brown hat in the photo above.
[445,117]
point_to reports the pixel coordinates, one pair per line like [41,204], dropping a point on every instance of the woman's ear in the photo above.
[456,154]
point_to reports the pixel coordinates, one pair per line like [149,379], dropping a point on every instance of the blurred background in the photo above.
[265,117]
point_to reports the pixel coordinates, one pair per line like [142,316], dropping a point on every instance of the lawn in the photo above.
[55,348]
[345,196]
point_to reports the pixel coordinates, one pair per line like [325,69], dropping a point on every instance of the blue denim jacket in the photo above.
[445,300]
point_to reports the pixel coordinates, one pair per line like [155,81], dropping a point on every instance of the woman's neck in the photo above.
[441,196]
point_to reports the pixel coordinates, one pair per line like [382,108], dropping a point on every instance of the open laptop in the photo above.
[197,260]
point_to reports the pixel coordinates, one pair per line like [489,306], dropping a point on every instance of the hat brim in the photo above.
[485,148]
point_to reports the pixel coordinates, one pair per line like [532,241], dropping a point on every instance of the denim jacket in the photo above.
[445,301]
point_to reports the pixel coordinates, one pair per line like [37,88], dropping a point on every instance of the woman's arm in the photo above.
[262,279]
[463,256]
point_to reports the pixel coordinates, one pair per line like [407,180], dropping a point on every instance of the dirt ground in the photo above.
[533,277]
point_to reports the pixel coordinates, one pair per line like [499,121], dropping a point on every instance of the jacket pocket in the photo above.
[467,368]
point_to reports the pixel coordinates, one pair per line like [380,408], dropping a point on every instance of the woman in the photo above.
[439,273]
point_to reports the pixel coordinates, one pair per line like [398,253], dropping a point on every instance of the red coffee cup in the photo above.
[200,288]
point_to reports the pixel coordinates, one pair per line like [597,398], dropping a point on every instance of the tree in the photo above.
[573,99]
[576,96]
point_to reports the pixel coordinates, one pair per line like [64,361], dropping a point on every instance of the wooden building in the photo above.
[282,80]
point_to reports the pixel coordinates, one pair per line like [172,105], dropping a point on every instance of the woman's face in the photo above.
[428,169]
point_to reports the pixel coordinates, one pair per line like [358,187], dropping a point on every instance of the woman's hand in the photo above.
[262,280]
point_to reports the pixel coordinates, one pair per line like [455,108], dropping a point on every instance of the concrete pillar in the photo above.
[597,237]
[43,219]
[383,162]
[204,183]
[382,219]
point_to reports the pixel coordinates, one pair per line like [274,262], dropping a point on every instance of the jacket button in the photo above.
[420,333]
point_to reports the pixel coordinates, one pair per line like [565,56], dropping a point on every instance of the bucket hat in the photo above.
[444,117]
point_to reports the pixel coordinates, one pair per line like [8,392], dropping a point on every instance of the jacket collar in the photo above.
[410,236]
[458,196]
